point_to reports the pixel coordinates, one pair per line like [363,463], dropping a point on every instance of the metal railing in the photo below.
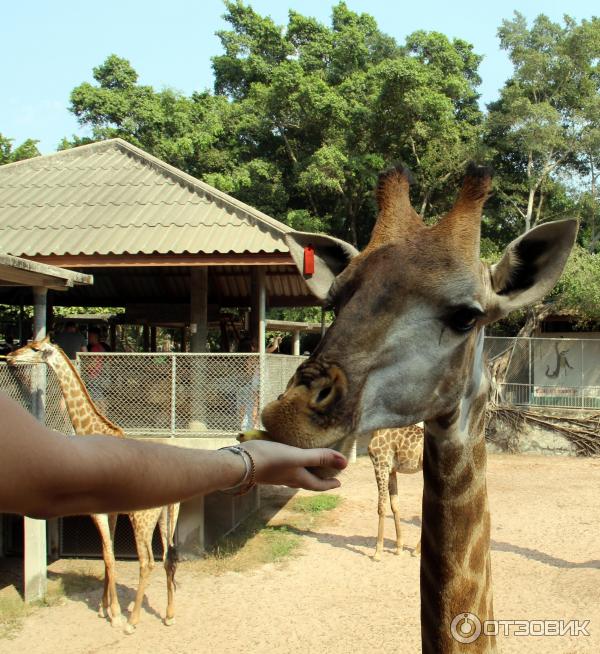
[566,397]
[552,372]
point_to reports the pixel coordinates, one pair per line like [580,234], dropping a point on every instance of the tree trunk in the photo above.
[529,209]
[538,211]
[500,366]
[531,193]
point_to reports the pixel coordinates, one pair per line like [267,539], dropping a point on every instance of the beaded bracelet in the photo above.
[249,479]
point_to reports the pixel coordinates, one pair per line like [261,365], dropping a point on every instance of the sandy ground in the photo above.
[333,598]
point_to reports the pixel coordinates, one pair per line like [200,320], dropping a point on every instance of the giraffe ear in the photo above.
[532,264]
[331,256]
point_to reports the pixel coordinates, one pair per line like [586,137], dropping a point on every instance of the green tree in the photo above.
[26,150]
[184,131]
[578,290]
[329,107]
[535,128]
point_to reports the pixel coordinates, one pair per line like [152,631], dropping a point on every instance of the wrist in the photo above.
[246,478]
[232,466]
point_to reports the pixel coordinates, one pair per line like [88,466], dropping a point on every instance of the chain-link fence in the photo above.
[219,394]
[553,372]
[20,382]
[184,394]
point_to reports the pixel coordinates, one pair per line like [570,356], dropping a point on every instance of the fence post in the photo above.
[173,394]
[530,393]
[581,377]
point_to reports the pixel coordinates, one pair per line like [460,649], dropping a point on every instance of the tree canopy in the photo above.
[9,154]
[304,115]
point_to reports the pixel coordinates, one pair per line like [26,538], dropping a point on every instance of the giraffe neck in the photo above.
[455,550]
[85,416]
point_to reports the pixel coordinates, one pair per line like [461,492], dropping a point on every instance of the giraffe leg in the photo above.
[170,560]
[393,488]
[417,550]
[162,528]
[109,604]
[143,529]
[381,475]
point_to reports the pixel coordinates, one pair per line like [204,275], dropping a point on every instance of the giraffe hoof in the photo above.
[376,556]
[102,613]
[117,621]
[169,622]
[400,551]
[129,629]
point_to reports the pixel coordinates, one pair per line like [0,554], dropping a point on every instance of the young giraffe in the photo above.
[392,451]
[87,420]
[423,296]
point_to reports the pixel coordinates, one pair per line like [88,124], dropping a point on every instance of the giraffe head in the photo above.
[36,352]
[409,312]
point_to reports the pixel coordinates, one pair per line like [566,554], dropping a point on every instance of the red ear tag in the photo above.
[309,260]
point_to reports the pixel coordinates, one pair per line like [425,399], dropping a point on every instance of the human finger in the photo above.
[310,481]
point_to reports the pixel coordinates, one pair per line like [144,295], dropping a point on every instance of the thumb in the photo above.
[326,458]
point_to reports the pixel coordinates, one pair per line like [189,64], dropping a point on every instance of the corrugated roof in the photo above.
[113,198]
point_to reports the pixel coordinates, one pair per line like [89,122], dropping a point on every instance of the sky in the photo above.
[50,46]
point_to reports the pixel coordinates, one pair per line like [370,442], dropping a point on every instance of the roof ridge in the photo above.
[96,145]
[178,174]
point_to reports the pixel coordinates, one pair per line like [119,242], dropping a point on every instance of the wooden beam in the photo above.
[16,277]
[31,273]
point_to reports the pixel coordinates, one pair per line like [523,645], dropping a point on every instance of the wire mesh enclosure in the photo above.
[552,372]
[184,394]
[19,382]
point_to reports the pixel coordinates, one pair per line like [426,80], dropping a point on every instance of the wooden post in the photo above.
[199,309]
[296,343]
[258,322]
[146,338]
[183,339]
[153,338]
[34,559]
[112,336]
[190,528]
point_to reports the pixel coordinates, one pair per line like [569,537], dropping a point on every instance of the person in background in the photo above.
[71,340]
[94,343]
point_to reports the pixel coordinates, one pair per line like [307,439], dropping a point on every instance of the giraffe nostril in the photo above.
[324,393]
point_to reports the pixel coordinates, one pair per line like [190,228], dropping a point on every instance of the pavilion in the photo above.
[164,245]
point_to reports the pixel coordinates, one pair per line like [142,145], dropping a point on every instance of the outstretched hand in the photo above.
[286,465]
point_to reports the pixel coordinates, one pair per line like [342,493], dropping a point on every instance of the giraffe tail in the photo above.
[171,561]
[172,555]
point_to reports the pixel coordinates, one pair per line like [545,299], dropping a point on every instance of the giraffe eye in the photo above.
[464,318]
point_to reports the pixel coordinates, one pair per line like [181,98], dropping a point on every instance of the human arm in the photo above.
[45,474]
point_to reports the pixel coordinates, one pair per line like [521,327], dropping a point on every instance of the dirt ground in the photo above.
[334,598]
